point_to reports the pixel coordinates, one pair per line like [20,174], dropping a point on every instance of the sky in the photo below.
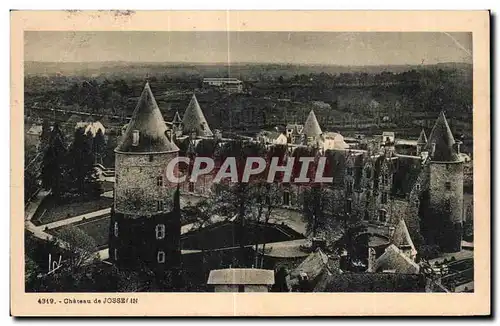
[335,48]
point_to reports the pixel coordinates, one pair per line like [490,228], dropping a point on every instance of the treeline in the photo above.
[67,170]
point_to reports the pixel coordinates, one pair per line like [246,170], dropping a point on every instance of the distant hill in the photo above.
[194,70]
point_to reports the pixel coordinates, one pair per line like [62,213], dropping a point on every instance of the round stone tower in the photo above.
[145,221]
[445,186]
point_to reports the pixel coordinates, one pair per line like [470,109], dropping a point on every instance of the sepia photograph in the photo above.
[205,161]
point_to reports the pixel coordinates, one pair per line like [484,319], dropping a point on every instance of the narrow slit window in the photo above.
[160,257]
[160,205]
[115,229]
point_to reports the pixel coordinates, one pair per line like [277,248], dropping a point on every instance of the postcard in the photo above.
[250,163]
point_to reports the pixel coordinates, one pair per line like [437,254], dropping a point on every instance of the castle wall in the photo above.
[137,190]
[128,248]
[446,202]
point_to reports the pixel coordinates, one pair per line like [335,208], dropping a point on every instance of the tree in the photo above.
[45,135]
[81,164]
[81,248]
[315,209]
[264,198]
[53,162]
[354,240]
[98,146]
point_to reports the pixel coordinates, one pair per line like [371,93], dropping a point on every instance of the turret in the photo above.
[312,130]
[144,226]
[194,121]
[421,142]
[445,187]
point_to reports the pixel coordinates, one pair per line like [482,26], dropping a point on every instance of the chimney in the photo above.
[371,260]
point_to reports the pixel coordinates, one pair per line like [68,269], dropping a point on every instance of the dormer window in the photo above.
[135,138]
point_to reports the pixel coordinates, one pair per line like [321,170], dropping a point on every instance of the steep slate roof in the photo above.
[401,237]
[422,139]
[147,119]
[311,127]
[314,265]
[370,282]
[443,138]
[241,276]
[394,259]
[177,118]
[194,120]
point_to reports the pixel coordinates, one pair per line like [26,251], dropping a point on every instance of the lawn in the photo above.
[51,211]
[97,228]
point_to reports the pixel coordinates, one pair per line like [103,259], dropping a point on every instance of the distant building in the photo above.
[241,280]
[231,85]
[92,127]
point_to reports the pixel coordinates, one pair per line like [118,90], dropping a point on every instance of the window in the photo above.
[159,205]
[151,158]
[160,231]
[348,205]
[417,202]
[349,188]
[368,173]
[159,181]
[433,148]
[349,170]
[382,215]
[417,186]
[286,198]
[447,185]
[384,198]
[135,138]
[115,229]
[191,187]
[116,254]
[241,288]
[160,257]
[386,179]
[367,215]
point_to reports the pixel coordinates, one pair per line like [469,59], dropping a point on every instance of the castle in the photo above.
[377,185]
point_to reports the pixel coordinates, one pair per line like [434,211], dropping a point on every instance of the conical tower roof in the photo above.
[443,138]
[422,139]
[401,237]
[311,127]
[194,120]
[148,121]
[177,118]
